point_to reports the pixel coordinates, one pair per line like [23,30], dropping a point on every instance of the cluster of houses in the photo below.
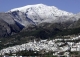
[59,47]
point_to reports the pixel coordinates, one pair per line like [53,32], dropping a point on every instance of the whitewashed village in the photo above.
[59,47]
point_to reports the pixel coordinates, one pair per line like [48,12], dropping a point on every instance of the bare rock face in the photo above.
[4,28]
[8,25]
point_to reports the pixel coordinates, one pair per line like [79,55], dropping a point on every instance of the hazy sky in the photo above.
[67,5]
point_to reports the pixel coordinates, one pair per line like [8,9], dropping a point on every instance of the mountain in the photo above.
[36,16]
[40,13]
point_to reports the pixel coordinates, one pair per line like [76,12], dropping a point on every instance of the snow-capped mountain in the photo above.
[39,13]
[42,9]
[36,15]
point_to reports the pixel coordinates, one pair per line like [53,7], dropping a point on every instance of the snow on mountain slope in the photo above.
[39,13]
[42,9]
[21,18]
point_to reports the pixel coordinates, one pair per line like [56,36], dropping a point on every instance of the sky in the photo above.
[67,5]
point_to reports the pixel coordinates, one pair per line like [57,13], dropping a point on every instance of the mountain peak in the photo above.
[42,8]
[39,13]
[40,4]
[28,6]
